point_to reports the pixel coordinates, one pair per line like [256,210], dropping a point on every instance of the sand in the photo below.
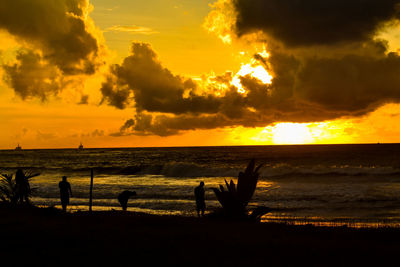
[47,237]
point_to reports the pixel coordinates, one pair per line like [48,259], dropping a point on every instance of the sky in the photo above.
[129,73]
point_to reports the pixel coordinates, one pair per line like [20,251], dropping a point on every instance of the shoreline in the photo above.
[268,218]
[116,237]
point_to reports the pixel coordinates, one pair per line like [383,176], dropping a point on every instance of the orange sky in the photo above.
[177,34]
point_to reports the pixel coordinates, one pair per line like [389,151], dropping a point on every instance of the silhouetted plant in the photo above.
[234,200]
[9,189]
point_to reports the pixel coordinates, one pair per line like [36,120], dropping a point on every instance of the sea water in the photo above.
[321,184]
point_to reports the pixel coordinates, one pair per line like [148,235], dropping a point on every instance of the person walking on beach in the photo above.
[200,200]
[65,192]
[124,197]
[22,187]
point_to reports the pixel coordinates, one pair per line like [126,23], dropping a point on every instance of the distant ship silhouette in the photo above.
[18,148]
[80,147]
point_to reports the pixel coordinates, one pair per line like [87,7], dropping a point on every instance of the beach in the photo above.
[47,237]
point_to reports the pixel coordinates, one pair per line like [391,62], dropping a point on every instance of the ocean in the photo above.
[356,185]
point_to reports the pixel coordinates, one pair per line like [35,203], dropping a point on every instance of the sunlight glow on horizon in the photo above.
[289,133]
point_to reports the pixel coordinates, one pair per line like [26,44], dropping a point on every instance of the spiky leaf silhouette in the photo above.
[247,182]
[234,200]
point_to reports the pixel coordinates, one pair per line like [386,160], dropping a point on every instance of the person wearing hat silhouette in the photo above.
[65,192]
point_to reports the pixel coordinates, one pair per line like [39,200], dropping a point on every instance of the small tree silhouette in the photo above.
[234,200]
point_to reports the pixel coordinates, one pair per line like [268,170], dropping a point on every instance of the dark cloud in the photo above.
[326,87]
[351,83]
[166,125]
[57,28]
[32,77]
[128,124]
[57,43]
[116,95]
[315,22]
[84,100]
[154,88]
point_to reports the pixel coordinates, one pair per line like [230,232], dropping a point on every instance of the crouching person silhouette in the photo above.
[65,192]
[124,197]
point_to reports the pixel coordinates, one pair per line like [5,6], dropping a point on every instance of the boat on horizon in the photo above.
[80,147]
[18,148]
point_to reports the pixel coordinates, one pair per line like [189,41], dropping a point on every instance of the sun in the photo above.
[292,133]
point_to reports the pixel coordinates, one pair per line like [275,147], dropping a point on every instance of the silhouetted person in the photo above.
[124,197]
[65,192]
[200,201]
[22,187]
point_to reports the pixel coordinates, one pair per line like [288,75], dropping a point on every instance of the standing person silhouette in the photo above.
[22,187]
[200,201]
[65,192]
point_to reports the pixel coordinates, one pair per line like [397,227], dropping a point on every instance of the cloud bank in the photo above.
[153,87]
[324,56]
[325,59]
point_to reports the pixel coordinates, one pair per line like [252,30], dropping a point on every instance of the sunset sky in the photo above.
[129,73]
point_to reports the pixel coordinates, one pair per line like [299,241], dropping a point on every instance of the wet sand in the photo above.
[46,237]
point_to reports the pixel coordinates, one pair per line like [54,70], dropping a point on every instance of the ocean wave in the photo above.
[193,170]
[279,172]
[273,171]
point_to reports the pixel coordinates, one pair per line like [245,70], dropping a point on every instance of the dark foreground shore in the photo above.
[46,237]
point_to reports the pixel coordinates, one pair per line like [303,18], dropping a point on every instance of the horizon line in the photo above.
[205,146]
